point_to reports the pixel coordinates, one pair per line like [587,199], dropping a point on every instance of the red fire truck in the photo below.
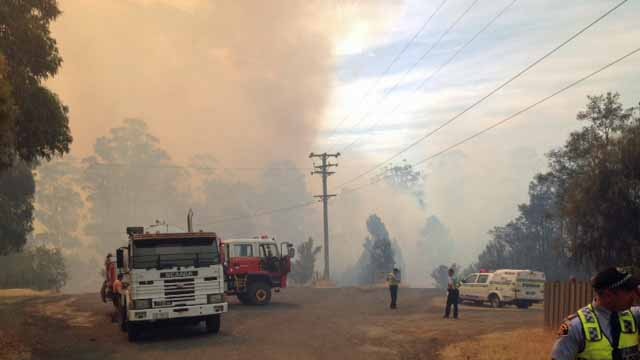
[254,267]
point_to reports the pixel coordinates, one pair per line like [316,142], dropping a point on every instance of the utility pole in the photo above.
[324,171]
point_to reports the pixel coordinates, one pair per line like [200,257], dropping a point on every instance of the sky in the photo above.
[255,82]
[477,185]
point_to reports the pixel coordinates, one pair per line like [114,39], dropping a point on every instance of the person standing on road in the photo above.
[116,296]
[394,280]
[606,329]
[452,295]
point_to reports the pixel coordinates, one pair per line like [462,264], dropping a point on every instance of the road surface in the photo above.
[301,323]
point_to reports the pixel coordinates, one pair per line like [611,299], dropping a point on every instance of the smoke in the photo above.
[246,83]
[246,80]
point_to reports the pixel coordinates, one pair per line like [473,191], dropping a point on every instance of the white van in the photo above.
[513,287]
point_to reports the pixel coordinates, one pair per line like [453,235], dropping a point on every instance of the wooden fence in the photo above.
[562,299]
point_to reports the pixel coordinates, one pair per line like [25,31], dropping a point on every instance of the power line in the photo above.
[512,116]
[441,152]
[424,55]
[481,100]
[388,68]
[258,214]
[436,72]
[169,166]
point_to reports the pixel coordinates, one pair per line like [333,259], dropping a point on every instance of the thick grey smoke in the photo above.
[246,80]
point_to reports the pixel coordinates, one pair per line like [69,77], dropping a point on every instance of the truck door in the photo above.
[242,258]
[271,262]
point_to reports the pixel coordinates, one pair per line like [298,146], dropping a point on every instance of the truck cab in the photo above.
[170,276]
[256,266]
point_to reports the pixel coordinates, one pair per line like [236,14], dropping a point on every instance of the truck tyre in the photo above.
[259,293]
[495,301]
[243,298]
[523,305]
[212,323]
[133,332]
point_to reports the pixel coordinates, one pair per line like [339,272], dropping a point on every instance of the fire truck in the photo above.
[175,276]
[254,267]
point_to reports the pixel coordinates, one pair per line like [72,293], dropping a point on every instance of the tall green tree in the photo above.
[597,170]
[7,117]
[377,258]
[435,244]
[130,180]
[59,203]
[584,213]
[16,207]
[33,122]
[404,178]
[304,267]
[40,129]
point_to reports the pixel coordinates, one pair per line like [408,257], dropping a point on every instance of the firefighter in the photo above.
[606,329]
[453,293]
[393,278]
[116,294]
[110,276]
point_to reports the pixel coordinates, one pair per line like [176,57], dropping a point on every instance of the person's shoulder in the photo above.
[570,324]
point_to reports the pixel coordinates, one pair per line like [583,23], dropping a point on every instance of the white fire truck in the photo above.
[170,276]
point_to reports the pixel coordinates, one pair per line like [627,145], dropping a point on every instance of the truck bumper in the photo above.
[194,311]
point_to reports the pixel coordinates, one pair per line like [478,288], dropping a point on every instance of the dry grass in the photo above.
[523,344]
[22,293]
[12,347]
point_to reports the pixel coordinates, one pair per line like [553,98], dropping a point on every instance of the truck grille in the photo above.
[179,290]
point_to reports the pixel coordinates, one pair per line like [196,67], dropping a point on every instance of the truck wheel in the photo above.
[259,293]
[212,323]
[133,332]
[495,301]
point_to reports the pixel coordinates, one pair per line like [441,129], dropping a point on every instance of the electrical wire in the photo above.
[389,66]
[436,72]
[491,93]
[510,117]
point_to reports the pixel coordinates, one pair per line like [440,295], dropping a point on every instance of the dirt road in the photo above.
[301,323]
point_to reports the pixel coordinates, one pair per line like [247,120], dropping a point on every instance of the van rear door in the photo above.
[530,285]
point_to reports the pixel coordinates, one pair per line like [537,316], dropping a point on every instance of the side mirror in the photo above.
[120,258]
[291,251]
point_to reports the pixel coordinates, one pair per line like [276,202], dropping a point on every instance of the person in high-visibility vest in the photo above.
[606,329]
[453,294]
[393,279]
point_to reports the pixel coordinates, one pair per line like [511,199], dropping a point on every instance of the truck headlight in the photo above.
[142,304]
[214,298]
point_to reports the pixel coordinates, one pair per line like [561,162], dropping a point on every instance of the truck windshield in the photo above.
[165,253]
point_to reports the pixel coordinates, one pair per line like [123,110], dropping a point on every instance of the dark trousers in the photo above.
[452,299]
[393,290]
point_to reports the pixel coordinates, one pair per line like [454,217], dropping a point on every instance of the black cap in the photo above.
[614,278]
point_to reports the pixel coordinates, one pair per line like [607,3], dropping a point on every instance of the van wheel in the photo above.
[495,301]
[259,293]
[523,305]
[213,323]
